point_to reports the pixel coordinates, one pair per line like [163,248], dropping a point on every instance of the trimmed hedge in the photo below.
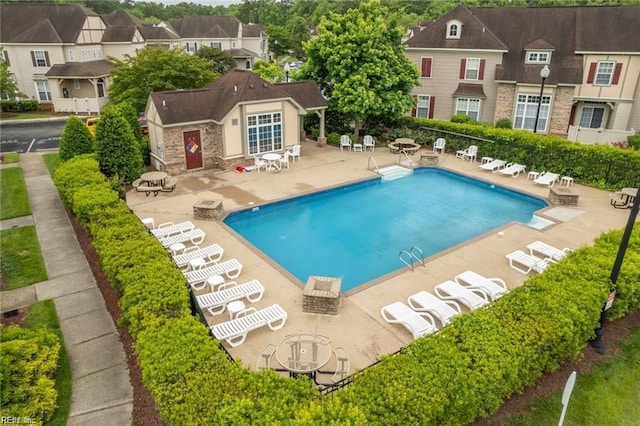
[466,370]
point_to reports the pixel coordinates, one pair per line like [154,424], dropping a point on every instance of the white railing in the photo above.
[590,136]
[80,106]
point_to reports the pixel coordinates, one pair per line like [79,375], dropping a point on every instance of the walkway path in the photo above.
[102,393]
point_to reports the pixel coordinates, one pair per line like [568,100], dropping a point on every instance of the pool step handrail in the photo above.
[410,162]
[408,257]
[374,163]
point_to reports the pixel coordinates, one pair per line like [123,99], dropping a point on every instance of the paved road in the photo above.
[30,136]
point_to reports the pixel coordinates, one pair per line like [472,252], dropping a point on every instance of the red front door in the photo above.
[193,149]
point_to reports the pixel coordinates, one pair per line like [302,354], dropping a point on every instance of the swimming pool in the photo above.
[356,231]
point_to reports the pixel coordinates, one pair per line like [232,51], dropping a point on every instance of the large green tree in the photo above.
[359,63]
[221,62]
[118,152]
[75,139]
[155,70]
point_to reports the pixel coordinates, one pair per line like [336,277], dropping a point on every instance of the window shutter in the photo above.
[616,73]
[432,102]
[481,70]
[415,102]
[33,58]
[46,58]
[463,67]
[6,57]
[592,72]
[426,67]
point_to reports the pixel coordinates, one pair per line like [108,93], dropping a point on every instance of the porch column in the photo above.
[322,140]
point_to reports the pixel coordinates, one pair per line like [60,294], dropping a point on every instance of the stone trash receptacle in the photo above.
[208,209]
[429,159]
[321,295]
[563,196]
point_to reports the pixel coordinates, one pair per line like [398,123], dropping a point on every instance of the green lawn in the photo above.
[52,162]
[608,396]
[43,315]
[21,258]
[10,157]
[14,201]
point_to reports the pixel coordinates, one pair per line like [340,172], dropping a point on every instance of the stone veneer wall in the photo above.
[505,98]
[212,149]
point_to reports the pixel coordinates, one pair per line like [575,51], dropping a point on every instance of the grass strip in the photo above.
[52,161]
[14,200]
[10,157]
[44,315]
[21,259]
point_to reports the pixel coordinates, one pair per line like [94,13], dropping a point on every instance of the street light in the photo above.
[544,73]
[287,68]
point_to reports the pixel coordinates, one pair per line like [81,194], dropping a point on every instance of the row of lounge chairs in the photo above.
[422,308]
[211,270]
[539,257]
[514,170]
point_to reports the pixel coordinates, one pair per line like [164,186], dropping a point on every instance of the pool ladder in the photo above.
[408,257]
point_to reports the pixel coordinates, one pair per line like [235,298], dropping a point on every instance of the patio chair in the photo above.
[526,263]
[418,323]
[368,142]
[211,253]
[551,253]
[285,159]
[235,331]
[471,298]
[216,302]
[258,163]
[439,144]
[345,142]
[198,279]
[513,170]
[492,287]
[469,153]
[343,364]
[494,165]
[195,237]
[295,152]
[620,200]
[443,310]
[169,228]
[264,359]
[547,178]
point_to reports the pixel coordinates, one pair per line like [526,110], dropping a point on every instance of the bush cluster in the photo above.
[466,370]
[19,106]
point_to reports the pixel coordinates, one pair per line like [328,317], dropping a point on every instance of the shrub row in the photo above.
[28,361]
[19,106]
[466,370]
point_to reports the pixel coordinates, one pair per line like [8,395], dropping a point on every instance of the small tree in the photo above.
[117,150]
[221,61]
[268,70]
[8,88]
[75,139]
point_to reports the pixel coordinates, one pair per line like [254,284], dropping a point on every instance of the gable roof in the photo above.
[99,68]
[566,30]
[41,23]
[206,26]
[119,20]
[217,99]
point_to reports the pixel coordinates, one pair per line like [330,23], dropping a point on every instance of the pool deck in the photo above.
[359,327]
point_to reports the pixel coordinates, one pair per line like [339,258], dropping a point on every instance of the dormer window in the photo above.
[538,57]
[454,28]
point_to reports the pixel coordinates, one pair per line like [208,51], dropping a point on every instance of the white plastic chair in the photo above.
[469,153]
[439,144]
[296,152]
[493,287]
[368,142]
[285,159]
[259,163]
[418,323]
[443,310]
[526,263]
[345,142]
[451,290]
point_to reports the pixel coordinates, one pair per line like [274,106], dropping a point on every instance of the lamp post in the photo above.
[287,68]
[544,73]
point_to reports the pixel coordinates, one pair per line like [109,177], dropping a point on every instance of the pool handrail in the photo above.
[374,162]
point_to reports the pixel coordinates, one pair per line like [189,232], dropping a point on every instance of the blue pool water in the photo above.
[356,232]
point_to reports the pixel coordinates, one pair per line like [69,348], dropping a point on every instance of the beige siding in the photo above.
[627,84]
[92,31]
[234,135]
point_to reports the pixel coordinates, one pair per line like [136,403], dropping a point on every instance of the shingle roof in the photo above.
[118,20]
[216,100]
[206,26]
[306,93]
[41,23]
[99,68]
[114,34]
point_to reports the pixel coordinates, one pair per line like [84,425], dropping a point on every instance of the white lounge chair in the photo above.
[439,144]
[195,237]
[513,169]
[493,165]
[492,287]
[547,178]
[525,263]
[368,142]
[198,279]
[216,302]
[235,332]
[469,153]
[211,253]
[451,290]
[443,310]
[345,142]
[552,253]
[169,228]
[418,323]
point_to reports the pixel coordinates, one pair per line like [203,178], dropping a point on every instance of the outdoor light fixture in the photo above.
[544,73]
[287,68]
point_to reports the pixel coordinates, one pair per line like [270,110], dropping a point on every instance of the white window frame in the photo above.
[454,29]
[216,45]
[76,84]
[72,55]
[422,107]
[191,47]
[469,106]
[587,116]
[83,55]
[537,57]
[526,110]
[43,90]
[604,76]
[469,70]
[40,58]
[264,133]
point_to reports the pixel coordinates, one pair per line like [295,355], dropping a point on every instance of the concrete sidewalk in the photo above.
[102,393]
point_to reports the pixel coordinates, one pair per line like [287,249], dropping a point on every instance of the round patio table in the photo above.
[303,353]
[272,159]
